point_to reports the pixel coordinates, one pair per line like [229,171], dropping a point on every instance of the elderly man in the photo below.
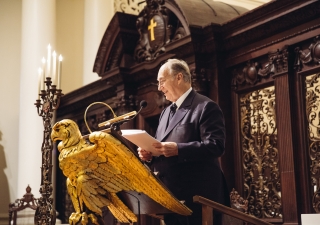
[192,134]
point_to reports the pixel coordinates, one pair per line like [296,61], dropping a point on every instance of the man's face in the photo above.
[168,85]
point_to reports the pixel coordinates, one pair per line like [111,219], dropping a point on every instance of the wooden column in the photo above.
[285,146]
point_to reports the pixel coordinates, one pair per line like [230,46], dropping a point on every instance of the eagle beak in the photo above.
[55,133]
[54,139]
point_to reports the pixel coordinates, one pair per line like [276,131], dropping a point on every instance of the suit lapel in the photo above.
[178,116]
[162,125]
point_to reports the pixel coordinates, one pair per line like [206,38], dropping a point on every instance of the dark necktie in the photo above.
[173,108]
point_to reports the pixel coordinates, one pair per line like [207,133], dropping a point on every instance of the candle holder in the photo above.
[46,105]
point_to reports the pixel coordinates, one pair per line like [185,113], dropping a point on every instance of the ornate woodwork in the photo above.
[255,71]
[28,201]
[238,202]
[157,26]
[249,74]
[278,63]
[47,103]
[260,160]
[200,80]
[312,83]
[311,55]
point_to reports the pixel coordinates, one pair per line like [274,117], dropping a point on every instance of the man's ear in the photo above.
[179,76]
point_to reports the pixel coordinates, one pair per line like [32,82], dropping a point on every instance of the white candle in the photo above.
[48,61]
[59,72]
[43,73]
[54,67]
[39,81]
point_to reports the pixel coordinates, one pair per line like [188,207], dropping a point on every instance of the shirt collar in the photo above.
[183,97]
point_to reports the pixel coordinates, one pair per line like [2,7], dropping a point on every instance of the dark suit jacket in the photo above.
[198,129]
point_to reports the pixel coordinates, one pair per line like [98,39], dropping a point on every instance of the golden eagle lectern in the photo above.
[97,171]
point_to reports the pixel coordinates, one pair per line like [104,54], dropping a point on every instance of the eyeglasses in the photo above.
[165,78]
[161,82]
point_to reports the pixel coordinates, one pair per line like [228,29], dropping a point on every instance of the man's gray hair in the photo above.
[176,66]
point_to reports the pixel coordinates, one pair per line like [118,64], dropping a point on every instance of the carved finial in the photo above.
[28,189]
[238,201]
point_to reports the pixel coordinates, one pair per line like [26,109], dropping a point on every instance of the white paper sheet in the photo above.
[310,219]
[141,138]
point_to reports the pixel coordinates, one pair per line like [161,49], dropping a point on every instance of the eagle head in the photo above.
[67,131]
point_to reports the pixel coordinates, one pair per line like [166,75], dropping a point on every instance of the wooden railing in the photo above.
[209,206]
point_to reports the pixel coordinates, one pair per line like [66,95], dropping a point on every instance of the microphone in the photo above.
[125,117]
[143,104]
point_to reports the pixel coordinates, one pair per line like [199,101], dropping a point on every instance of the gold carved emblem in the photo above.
[151,28]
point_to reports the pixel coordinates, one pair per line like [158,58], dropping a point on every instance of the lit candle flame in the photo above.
[59,72]
[54,67]
[43,73]
[48,73]
[39,81]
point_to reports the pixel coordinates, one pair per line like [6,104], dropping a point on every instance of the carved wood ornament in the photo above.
[249,74]
[259,146]
[307,56]
[278,63]
[313,116]
[260,157]
[253,71]
[200,80]
[157,27]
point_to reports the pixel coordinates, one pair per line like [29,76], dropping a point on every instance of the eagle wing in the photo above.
[134,175]
[97,171]
[93,181]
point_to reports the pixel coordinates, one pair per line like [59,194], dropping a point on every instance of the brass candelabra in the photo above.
[48,102]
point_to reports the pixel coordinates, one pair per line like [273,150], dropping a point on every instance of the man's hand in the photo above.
[144,155]
[166,148]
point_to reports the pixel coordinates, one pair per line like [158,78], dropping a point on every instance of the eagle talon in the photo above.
[74,218]
[84,219]
[93,219]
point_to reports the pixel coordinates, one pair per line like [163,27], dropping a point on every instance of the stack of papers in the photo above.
[141,138]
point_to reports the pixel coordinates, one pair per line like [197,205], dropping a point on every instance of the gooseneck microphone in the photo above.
[143,104]
[125,117]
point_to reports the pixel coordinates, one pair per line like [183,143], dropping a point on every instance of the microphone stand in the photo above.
[116,131]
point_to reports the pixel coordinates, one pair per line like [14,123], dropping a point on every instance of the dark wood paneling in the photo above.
[286,153]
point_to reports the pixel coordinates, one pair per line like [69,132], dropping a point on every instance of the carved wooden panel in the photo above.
[260,157]
[312,84]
